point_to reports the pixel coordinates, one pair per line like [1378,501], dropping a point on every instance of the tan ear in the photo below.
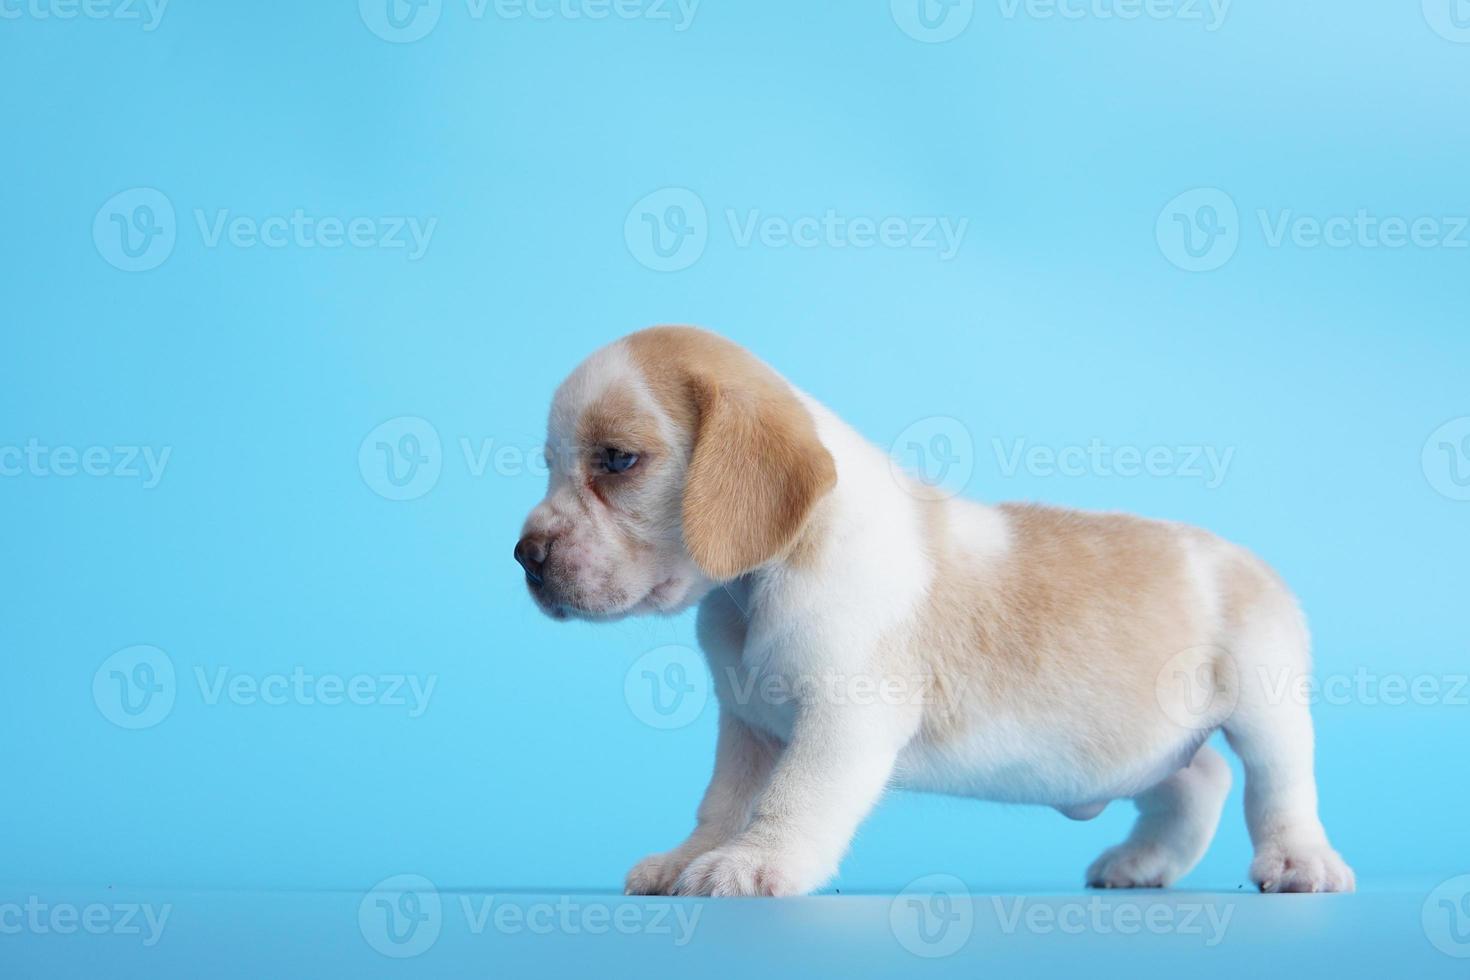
[757,470]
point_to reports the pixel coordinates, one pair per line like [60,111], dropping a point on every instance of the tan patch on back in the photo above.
[1068,630]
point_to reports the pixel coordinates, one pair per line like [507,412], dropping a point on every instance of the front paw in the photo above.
[743,870]
[1146,864]
[1281,867]
[656,874]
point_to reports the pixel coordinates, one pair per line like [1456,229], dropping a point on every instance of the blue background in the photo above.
[1061,319]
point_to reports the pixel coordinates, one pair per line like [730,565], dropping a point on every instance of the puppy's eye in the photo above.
[616,460]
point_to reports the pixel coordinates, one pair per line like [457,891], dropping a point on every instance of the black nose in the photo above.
[531,553]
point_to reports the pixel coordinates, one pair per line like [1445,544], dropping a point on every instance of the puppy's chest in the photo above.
[767,685]
[762,692]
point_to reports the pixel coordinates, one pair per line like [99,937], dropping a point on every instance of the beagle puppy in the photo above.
[864,631]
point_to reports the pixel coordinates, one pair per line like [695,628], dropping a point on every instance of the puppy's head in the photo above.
[677,460]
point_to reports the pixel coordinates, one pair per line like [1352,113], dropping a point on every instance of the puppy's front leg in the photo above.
[825,782]
[743,763]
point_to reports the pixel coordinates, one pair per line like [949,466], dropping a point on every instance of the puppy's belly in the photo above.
[1006,763]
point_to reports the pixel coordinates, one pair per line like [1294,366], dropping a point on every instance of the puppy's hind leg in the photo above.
[1271,730]
[1176,821]
[1274,742]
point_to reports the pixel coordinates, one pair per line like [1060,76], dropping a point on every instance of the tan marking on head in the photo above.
[617,418]
[756,468]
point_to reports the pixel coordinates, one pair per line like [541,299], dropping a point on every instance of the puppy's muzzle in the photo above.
[531,554]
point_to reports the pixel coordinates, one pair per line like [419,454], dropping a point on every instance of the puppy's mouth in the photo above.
[664,596]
